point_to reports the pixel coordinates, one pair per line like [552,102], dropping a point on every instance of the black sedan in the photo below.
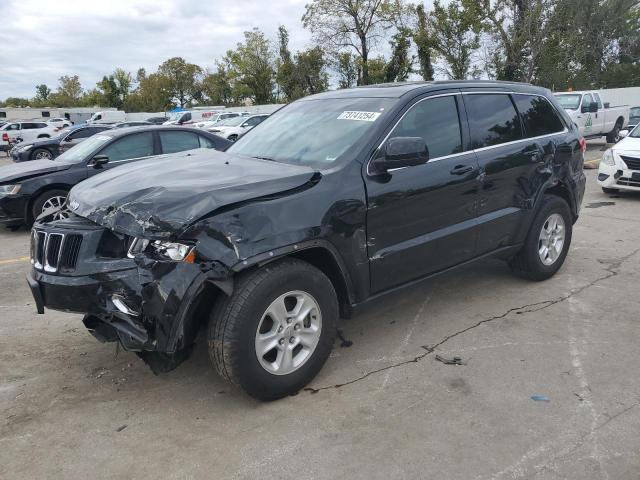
[30,189]
[52,147]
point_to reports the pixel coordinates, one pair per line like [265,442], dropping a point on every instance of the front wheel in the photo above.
[52,202]
[275,332]
[547,243]
[41,154]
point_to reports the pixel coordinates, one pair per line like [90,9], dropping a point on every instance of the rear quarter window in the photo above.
[493,119]
[173,142]
[538,115]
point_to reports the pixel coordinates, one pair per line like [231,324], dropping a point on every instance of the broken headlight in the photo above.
[177,252]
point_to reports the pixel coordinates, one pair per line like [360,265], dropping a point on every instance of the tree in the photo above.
[346,67]
[252,63]
[351,24]
[69,92]
[422,39]
[42,93]
[216,87]
[304,74]
[399,66]
[455,36]
[182,79]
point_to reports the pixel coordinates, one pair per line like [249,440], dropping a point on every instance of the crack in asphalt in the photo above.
[612,270]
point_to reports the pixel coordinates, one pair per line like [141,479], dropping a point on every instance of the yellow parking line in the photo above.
[14,260]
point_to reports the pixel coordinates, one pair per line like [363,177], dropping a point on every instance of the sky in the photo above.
[42,40]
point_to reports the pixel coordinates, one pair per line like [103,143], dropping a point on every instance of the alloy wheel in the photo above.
[288,332]
[55,203]
[551,239]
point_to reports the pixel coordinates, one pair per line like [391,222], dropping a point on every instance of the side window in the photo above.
[587,100]
[40,125]
[13,126]
[252,122]
[436,120]
[598,101]
[131,146]
[28,126]
[493,119]
[538,116]
[82,133]
[186,117]
[178,141]
[206,143]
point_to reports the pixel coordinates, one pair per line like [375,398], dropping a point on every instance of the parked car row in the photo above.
[30,189]
[619,168]
[332,201]
[27,131]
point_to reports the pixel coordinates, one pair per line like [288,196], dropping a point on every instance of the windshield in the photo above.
[634,112]
[174,117]
[570,101]
[314,132]
[79,152]
[230,122]
[635,133]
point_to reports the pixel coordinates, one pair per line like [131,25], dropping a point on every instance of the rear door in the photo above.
[507,167]
[421,219]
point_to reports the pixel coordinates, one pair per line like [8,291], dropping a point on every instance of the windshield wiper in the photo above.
[265,158]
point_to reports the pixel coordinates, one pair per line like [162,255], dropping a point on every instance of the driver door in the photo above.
[421,219]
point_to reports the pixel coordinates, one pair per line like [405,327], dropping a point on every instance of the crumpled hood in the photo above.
[159,197]
[23,170]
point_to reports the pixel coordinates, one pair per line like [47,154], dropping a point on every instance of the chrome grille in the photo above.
[54,252]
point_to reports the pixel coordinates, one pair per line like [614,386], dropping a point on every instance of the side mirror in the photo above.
[624,133]
[401,152]
[99,160]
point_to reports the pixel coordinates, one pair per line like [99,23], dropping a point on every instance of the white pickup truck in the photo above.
[594,118]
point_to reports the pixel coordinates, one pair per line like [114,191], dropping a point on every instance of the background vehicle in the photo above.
[214,119]
[108,116]
[16,132]
[157,120]
[619,168]
[133,123]
[634,117]
[334,200]
[59,122]
[593,117]
[30,188]
[234,128]
[188,117]
[52,147]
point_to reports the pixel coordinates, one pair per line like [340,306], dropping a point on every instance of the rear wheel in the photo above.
[276,330]
[41,154]
[48,202]
[547,243]
[614,135]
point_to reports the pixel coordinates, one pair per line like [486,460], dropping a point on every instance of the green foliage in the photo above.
[423,40]
[182,80]
[346,66]
[252,63]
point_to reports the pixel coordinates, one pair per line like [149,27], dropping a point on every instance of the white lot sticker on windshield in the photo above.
[363,116]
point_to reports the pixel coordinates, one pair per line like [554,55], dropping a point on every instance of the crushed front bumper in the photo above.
[143,303]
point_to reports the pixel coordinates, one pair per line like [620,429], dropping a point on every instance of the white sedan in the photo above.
[234,128]
[620,165]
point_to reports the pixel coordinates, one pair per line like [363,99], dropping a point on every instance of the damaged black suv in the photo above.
[333,200]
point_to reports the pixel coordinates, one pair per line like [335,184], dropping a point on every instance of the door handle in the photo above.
[461,169]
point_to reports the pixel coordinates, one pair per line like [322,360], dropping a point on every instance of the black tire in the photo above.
[614,135]
[36,208]
[235,320]
[43,152]
[527,263]
[233,138]
[610,191]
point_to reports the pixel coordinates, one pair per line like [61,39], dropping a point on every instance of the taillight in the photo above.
[5,137]
[583,145]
